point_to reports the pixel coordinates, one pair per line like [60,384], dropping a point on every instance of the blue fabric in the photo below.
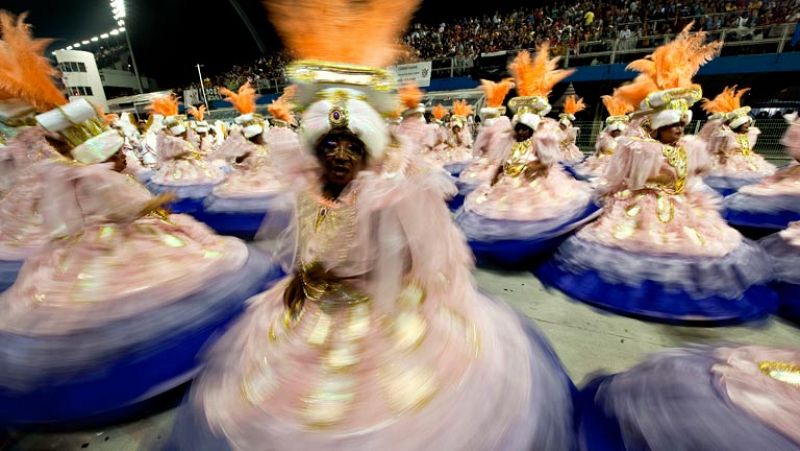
[186,206]
[789,297]
[570,169]
[455,169]
[241,225]
[596,430]
[651,301]
[456,202]
[521,253]
[8,273]
[754,220]
[134,374]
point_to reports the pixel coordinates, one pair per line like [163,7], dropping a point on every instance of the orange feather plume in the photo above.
[410,95]
[24,71]
[281,108]
[573,105]
[496,92]
[244,100]
[728,100]
[537,76]
[110,118]
[439,111]
[198,113]
[670,66]
[361,32]
[165,105]
[616,106]
[461,108]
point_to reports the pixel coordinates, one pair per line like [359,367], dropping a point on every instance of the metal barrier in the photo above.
[768,143]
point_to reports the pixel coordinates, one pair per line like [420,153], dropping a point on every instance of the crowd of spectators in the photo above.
[595,24]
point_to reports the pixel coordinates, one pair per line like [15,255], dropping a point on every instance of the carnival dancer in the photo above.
[660,250]
[437,130]
[239,205]
[570,154]
[616,123]
[731,141]
[736,398]
[26,87]
[413,127]
[201,138]
[531,203]
[182,169]
[456,152]
[494,138]
[379,339]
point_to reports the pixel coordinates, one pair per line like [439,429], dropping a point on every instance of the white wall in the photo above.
[87,75]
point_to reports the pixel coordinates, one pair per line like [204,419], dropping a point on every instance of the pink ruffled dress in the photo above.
[455,153]
[26,148]
[733,398]
[735,162]
[570,153]
[595,165]
[391,348]
[660,249]
[489,148]
[183,170]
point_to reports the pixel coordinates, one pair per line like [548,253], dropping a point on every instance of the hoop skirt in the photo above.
[116,310]
[737,399]
[392,347]
[783,249]
[183,172]
[735,164]
[529,210]
[660,250]
[239,205]
[489,149]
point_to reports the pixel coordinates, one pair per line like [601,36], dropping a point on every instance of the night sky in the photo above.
[170,36]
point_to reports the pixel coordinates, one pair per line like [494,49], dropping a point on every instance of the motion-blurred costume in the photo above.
[379,339]
[736,398]
[182,169]
[494,138]
[774,202]
[26,87]
[570,154]
[239,205]
[731,138]
[80,323]
[201,136]
[660,250]
[456,152]
[531,203]
[606,145]
[413,128]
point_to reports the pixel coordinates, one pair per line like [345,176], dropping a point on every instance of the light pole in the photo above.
[118,9]
[202,86]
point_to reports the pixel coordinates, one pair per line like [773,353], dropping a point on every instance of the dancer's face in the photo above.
[615,133]
[744,128]
[456,129]
[119,160]
[670,134]
[522,132]
[342,156]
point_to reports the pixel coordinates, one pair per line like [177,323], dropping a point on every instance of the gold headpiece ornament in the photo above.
[534,79]
[665,76]
[728,106]
[617,108]
[572,105]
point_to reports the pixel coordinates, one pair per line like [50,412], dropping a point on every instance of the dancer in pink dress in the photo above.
[570,154]
[204,141]
[616,124]
[456,153]
[736,398]
[413,127]
[494,138]
[182,169]
[79,323]
[239,205]
[732,140]
[531,202]
[661,250]
[379,340]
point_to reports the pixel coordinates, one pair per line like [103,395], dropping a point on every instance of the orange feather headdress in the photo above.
[537,76]
[496,92]
[25,74]
[198,113]
[410,96]
[166,105]
[616,106]
[281,108]
[727,101]
[461,108]
[244,100]
[670,67]
[439,111]
[573,105]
